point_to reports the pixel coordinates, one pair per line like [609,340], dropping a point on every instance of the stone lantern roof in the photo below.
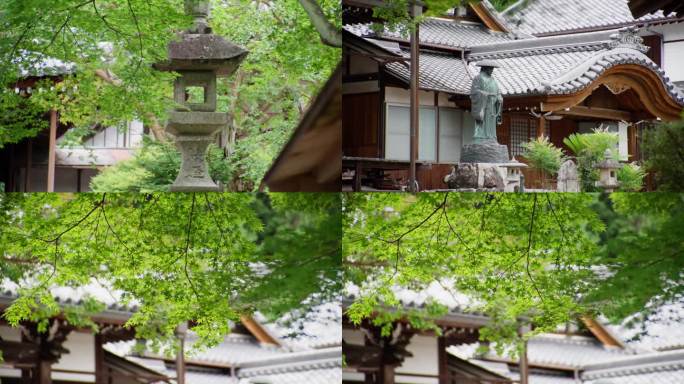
[609,162]
[203,52]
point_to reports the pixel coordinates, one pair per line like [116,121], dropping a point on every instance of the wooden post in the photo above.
[29,165]
[541,127]
[524,366]
[416,10]
[51,151]
[44,372]
[180,355]
[99,361]
[386,374]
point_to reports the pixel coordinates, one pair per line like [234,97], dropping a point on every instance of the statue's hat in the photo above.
[487,63]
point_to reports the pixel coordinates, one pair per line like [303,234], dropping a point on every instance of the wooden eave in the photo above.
[601,333]
[487,18]
[258,331]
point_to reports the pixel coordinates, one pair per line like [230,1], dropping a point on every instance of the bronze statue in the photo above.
[486,103]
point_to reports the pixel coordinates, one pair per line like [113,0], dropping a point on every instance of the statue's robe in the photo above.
[486,103]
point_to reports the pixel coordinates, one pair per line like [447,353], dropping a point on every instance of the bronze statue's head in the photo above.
[487,66]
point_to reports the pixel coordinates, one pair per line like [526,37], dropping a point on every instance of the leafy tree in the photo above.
[590,149]
[205,258]
[112,44]
[543,155]
[664,153]
[548,258]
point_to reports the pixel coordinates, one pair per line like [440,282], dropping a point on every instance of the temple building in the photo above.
[255,352]
[564,68]
[591,351]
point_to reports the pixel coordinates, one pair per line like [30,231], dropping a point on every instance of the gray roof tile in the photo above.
[441,32]
[552,16]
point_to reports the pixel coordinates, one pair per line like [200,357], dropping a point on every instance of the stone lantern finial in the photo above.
[199,9]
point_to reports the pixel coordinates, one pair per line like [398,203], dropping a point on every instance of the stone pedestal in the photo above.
[484,152]
[194,132]
[476,177]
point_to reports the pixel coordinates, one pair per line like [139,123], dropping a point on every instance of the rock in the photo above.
[463,175]
[568,180]
[493,179]
[485,152]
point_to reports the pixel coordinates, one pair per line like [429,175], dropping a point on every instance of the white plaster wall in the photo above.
[673,51]
[674,60]
[402,96]
[623,145]
[10,334]
[81,357]
[424,361]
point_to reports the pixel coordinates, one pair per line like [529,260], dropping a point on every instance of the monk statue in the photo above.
[486,102]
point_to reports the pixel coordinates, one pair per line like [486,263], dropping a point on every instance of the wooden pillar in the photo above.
[442,364]
[99,361]
[541,127]
[524,366]
[386,374]
[180,355]
[416,11]
[29,165]
[43,373]
[51,151]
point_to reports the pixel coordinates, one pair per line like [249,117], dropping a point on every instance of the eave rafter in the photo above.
[643,81]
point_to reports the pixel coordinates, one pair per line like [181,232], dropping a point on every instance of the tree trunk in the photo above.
[330,35]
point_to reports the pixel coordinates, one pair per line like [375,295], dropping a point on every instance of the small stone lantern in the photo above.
[608,172]
[513,172]
[199,57]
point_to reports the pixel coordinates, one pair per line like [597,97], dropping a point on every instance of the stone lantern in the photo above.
[200,57]
[513,172]
[608,172]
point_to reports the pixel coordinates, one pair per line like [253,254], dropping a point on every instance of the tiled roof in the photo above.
[234,350]
[549,66]
[438,72]
[32,64]
[654,368]
[554,350]
[662,331]
[457,303]
[320,329]
[447,33]
[570,351]
[548,16]
[75,296]
[312,367]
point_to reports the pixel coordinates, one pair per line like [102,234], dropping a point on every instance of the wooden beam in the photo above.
[487,19]
[597,113]
[51,151]
[601,333]
[258,331]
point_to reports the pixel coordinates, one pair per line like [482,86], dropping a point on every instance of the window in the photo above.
[523,130]
[397,140]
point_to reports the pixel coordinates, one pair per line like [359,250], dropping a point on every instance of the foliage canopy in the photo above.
[549,258]
[205,258]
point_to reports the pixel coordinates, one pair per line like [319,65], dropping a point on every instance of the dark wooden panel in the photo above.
[360,124]
[655,44]
[561,129]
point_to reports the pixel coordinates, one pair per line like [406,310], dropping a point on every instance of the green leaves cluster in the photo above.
[543,155]
[204,258]
[664,155]
[546,258]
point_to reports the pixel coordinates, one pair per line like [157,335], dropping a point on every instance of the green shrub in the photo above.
[589,149]
[543,155]
[631,178]
[663,149]
[153,168]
